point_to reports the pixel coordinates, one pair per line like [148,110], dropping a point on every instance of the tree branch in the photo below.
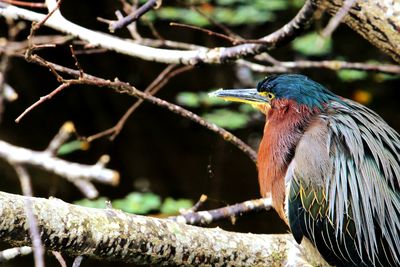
[191,57]
[114,235]
[44,160]
[376,21]
[12,253]
[126,88]
[233,211]
[146,7]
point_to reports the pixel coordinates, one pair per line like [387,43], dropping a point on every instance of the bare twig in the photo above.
[152,89]
[24,4]
[14,47]
[129,89]
[43,99]
[288,66]
[162,79]
[135,15]
[203,198]
[39,24]
[77,65]
[59,258]
[132,27]
[225,29]
[59,139]
[209,32]
[85,186]
[335,21]
[229,212]
[38,251]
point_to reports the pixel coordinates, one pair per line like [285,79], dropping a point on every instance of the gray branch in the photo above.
[73,172]
[375,20]
[113,235]
[169,56]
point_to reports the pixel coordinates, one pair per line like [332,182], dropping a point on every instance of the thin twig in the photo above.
[229,212]
[59,258]
[203,198]
[288,66]
[59,139]
[135,15]
[42,99]
[209,32]
[122,87]
[39,24]
[152,89]
[227,31]
[24,4]
[77,65]
[25,180]
[335,21]
[129,89]
[132,27]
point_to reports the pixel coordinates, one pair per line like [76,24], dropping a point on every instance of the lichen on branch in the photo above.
[110,234]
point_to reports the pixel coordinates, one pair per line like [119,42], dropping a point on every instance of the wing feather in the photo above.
[352,156]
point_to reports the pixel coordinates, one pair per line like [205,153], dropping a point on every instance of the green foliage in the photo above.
[228,12]
[381,77]
[140,203]
[351,75]
[188,99]
[99,203]
[184,15]
[173,206]
[312,44]
[228,119]
[72,146]
[196,100]
[222,117]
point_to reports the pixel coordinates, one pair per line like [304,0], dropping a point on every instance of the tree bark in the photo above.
[376,20]
[113,235]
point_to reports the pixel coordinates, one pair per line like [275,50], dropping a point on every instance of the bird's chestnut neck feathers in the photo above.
[287,121]
[298,88]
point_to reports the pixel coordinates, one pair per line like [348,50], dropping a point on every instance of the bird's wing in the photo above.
[344,184]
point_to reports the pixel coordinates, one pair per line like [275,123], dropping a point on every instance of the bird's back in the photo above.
[344,187]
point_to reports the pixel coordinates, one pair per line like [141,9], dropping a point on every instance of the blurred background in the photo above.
[161,155]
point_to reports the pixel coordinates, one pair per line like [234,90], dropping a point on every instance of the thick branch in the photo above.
[377,21]
[114,235]
[44,160]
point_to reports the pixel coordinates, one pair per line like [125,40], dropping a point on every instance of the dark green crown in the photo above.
[298,88]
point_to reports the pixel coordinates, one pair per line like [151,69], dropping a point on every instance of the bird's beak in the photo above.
[249,96]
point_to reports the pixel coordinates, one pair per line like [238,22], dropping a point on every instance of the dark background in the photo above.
[171,154]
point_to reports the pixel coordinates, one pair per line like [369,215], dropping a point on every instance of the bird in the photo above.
[331,167]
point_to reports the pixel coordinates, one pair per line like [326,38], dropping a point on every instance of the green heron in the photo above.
[331,167]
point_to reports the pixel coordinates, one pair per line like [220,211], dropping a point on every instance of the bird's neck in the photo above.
[286,122]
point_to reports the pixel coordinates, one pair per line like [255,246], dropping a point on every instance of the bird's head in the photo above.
[277,89]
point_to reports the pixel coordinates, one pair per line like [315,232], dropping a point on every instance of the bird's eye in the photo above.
[270,95]
[267,95]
